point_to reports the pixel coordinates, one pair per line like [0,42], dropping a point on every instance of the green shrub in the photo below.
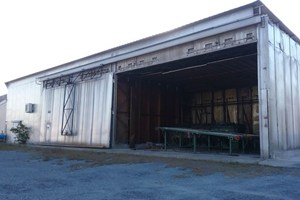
[21,132]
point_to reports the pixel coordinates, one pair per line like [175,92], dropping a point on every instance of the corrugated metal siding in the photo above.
[3,116]
[284,80]
[92,113]
[19,94]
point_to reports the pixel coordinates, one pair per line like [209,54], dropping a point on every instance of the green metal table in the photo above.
[195,132]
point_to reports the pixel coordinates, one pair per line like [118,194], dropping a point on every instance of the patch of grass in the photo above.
[94,158]
[13,147]
[199,167]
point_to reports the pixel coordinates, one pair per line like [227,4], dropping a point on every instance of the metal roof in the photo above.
[3,98]
[159,38]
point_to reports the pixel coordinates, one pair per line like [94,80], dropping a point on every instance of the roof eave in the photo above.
[258,3]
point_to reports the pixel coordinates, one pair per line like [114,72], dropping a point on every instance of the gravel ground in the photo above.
[28,175]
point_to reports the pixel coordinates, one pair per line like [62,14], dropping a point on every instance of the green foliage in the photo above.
[21,132]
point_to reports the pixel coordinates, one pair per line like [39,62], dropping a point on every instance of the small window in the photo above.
[191,50]
[29,108]
[256,10]
[228,40]
[209,45]
[249,36]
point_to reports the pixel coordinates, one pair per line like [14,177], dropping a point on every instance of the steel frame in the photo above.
[69,82]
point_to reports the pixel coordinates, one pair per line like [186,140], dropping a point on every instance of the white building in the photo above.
[3,102]
[237,67]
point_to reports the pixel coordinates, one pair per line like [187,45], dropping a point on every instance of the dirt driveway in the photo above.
[47,173]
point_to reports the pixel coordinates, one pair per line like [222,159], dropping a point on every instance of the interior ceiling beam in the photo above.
[226,68]
[233,69]
[208,64]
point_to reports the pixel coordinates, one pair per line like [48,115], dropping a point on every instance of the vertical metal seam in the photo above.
[291,88]
[275,82]
[114,111]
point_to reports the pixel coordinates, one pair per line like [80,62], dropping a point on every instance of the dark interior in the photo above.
[217,89]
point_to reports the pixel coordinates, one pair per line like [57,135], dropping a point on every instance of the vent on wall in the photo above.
[29,108]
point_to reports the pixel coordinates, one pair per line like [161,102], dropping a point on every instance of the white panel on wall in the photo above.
[284,92]
[19,94]
[92,113]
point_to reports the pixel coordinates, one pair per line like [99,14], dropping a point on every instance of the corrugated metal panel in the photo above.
[263,70]
[288,90]
[280,89]
[284,90]
[296,89]
[272,92]
[3,116]
[92,113]
[19,94]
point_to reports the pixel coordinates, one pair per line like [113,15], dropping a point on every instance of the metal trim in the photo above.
[162,45]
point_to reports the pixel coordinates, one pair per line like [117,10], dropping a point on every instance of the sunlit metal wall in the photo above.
[20,93]
[3,104]
[284,90]
[92,114]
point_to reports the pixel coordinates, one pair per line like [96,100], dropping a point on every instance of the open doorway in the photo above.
[213,92]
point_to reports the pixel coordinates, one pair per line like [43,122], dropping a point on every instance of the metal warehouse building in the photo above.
[239,68]
[3,114]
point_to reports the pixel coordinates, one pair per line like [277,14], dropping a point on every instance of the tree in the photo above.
[21,132]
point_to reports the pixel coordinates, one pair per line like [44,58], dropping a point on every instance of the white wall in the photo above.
[92,114]
[19,94]
[284,90]
[3,116]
